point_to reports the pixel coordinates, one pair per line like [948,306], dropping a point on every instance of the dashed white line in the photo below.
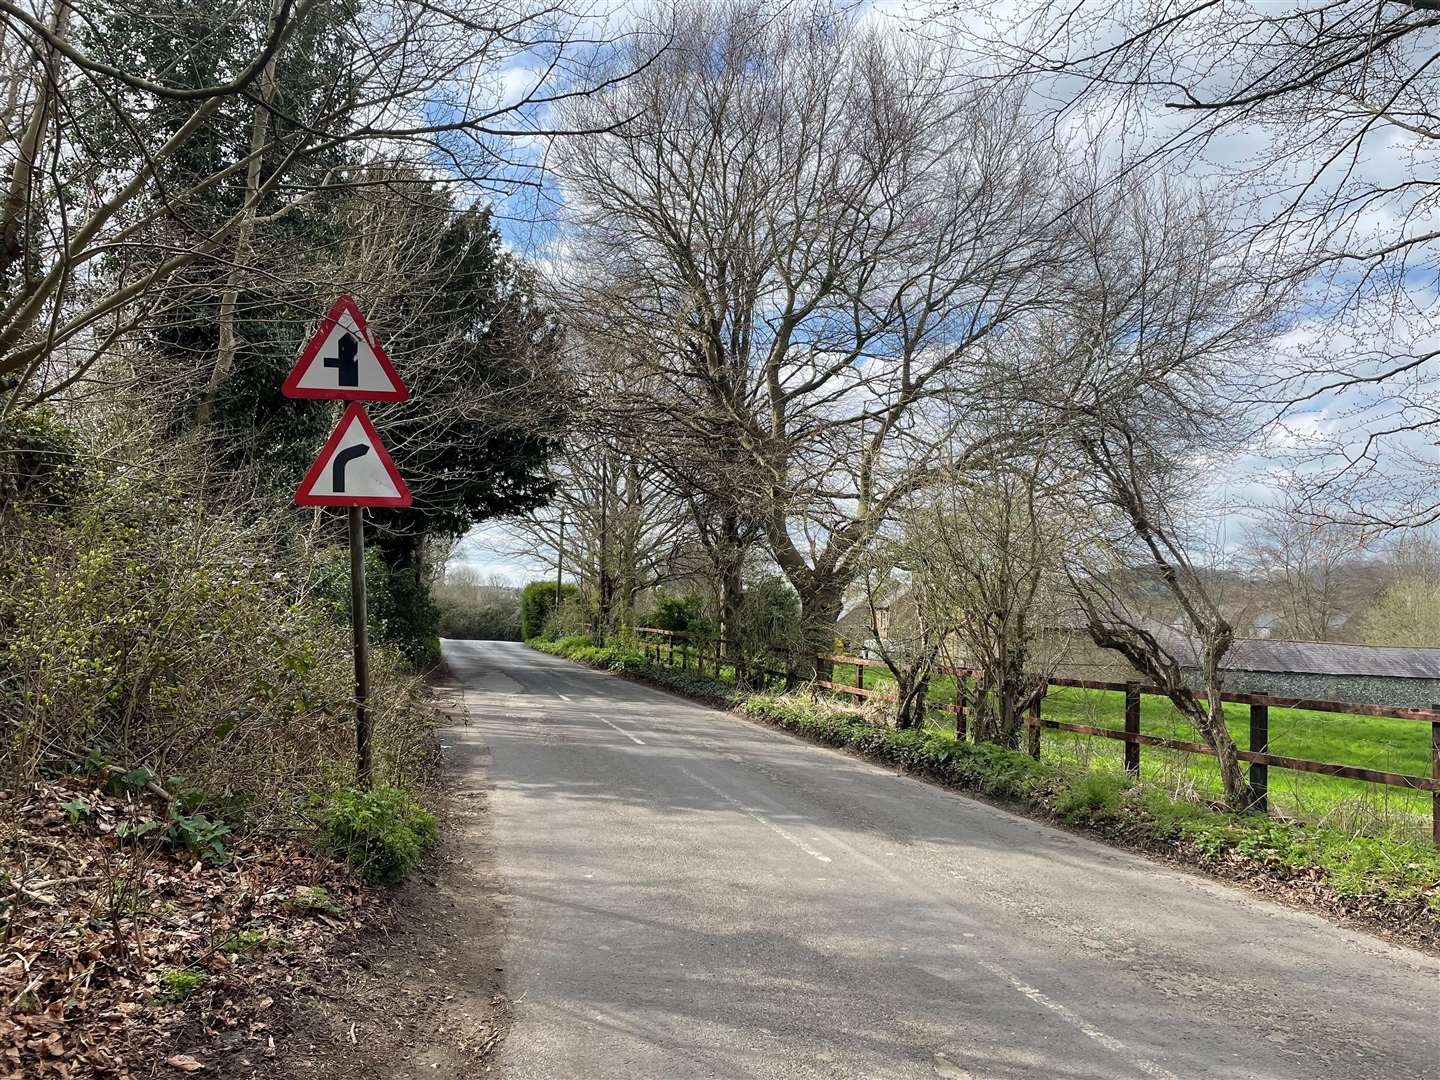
[758,817]
[1109,1042]
[617,727]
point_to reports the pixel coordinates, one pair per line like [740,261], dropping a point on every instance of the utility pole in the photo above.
[603,622]
[559,557]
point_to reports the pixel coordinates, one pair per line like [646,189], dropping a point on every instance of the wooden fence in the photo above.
[1257,753]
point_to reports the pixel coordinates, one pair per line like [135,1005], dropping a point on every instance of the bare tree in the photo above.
[1309,567]
[1324,117]
[622,526]
[123,173]
[905,631]
[1138,384]
[990,547]
[806,231]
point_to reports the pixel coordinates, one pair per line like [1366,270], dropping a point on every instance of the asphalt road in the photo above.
[693,895]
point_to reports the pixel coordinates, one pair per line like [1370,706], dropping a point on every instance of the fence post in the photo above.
[1132,727]
[1259,744]
[1032,730]
[859,675]
[960,684]
[1435,774]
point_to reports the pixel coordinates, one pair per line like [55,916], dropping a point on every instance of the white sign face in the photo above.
[343,360]
[353,469]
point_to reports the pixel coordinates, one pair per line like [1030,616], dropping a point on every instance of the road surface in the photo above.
[693,895]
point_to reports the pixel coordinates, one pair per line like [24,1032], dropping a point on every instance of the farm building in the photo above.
[1366,674]
[1317,670]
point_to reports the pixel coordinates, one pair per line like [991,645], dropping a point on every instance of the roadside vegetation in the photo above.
[1375,742]
[1391,883]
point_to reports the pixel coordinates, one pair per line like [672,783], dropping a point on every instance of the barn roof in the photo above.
[1330,658]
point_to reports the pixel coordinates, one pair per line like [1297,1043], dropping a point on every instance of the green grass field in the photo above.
[1369,741]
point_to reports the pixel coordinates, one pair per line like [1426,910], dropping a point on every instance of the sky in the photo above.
[527,221]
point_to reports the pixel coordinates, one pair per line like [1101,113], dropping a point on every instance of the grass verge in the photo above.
[1390,885]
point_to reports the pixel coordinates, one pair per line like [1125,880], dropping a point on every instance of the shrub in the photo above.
[537,601]
[398,605]
[142,627]
[1092,797]
[382,833]
[682,614]
[478,612]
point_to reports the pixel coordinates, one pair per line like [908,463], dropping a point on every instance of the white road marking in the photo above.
[563,697]
[617,727]
[762,820]
[1109,1042]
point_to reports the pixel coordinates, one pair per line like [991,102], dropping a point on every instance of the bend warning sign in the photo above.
[353,469]
[343,360]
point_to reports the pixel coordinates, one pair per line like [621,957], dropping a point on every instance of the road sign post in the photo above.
[343,361]
[360,625]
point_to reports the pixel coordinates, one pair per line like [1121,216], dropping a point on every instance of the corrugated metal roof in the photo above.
[1329,658]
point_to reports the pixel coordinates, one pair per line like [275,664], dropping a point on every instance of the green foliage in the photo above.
[398,606]
[683,614]
[140,627]
[75,809]
[315,898]
[769,621]
[197,833]
[1092,797]
[245,941]
[537,602]
[176,985]
[40,468]
[383,833]
[484,613]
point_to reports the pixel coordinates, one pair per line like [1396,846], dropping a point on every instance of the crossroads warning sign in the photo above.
[344,361]
[353,468]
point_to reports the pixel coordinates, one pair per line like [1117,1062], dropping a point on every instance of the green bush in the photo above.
[398,606]
[1092,797]
[483,613]
[382,833]
[537,601]
[682,614]
[140,627]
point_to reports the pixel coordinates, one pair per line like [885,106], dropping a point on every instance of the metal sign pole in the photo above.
[360,626]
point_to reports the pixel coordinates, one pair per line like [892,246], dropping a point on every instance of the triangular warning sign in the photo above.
[353,468]
[344,361]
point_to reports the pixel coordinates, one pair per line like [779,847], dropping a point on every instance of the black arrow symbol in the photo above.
[337,466]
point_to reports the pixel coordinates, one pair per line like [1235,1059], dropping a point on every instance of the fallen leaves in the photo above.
[92,929]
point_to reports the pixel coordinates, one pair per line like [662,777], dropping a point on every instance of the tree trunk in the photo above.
[820,605]
[912,690]
[229,343]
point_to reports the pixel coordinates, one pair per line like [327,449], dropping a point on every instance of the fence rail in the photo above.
[1257,754]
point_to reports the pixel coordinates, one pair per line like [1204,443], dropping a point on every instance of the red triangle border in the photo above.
[352,412]
[292,387]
